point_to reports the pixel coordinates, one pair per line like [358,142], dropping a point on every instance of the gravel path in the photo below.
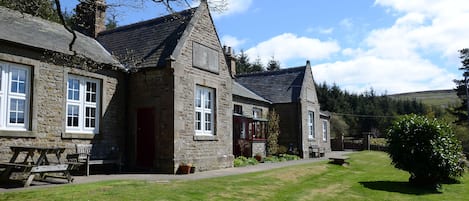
[168,177]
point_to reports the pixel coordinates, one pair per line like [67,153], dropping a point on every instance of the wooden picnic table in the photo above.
[35,162]
[339,160]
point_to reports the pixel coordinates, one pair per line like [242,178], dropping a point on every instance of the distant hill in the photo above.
[443,98]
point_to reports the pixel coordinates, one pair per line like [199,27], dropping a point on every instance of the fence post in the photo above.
[366,140]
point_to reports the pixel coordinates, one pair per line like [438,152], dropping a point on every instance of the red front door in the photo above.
[145,137]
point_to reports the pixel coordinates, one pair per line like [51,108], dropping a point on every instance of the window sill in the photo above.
[13,133]
[79,135]
[311,140]
[205,138]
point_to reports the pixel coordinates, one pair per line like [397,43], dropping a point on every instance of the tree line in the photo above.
[353,114]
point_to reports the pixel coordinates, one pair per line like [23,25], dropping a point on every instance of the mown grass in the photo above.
[369,177]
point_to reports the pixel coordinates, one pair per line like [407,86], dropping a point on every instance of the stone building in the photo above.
[168,94]
[180,91]
[249,122]
[293,96]
[51,96]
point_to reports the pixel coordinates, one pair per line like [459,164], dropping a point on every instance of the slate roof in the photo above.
[282,86]
[240,90]
[148,43]
[39,33]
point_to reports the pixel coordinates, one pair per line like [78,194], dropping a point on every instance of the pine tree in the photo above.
[257,66]
[273,65]
[461,86]
[242,63]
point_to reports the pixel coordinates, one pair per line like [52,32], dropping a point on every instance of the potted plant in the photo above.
[184,168]
[258,157]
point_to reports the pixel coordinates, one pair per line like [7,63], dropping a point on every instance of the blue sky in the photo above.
[392,46]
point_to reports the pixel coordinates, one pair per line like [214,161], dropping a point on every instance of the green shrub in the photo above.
[427,149]
[242,161]
[271,159]
[289,157]
[378,141]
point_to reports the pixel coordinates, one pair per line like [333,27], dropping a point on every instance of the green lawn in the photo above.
[369,177]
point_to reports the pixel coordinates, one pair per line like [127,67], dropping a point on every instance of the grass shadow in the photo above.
[398,187]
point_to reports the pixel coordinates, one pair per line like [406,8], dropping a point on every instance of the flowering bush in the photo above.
[427,149]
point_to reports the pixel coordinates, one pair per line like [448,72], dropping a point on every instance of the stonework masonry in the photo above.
[204,152]
[47,106]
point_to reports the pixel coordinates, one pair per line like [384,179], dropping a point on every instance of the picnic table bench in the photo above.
[35,164]
[316,151]
[339,160]
[95,154]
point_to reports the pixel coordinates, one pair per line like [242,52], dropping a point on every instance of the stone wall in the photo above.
[205,152]
[48,100]
[153,88]
[258,147]
[309,102]
[248,106]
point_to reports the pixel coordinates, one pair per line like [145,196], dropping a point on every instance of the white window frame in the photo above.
[83,104]
[311,130]
[256,113]
[324,130]
[6,95]
[204,104]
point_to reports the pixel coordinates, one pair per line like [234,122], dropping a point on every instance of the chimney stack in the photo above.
[230,60]
[90,17]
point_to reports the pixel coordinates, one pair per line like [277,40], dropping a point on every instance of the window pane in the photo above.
[198,119]
[198,98]
[18,81]
[208,98]
[90,117]
[17,107]
[208,121]
[73,89]
[72,115]
[1,78]
[91,92]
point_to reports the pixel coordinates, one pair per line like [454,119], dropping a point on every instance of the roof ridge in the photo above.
[156,20]
[276,72]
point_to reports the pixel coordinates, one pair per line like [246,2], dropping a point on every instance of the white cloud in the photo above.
[381,74]
[428,25]
[232,41]
[396,58]
[289,46]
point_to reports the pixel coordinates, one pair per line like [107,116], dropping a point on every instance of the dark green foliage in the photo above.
[273,65]
[273,133]
[427,149]
[242,63]
[40,8]
[462,111]
[242,161]
[257,66]
[340,127]
[281,158]
[111,22]
[365,112]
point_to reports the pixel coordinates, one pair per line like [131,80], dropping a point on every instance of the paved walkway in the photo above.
[195,176]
